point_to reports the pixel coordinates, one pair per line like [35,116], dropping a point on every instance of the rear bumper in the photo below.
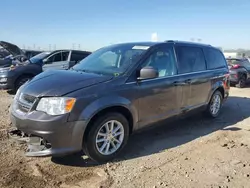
[48,136]
[234,77]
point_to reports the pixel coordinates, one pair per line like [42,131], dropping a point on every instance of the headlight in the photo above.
[18,92]
[3,79]
[56,105]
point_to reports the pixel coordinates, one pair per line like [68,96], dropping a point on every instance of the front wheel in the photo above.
[20,81]
[106,137]
[215,104]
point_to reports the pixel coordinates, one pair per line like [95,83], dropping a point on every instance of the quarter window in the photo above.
[163,60]
[190,59]
[215,58]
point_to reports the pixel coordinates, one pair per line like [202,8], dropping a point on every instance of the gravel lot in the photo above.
[193,152]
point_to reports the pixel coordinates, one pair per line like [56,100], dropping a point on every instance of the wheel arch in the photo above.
[22,76]
[117,109]
[217,87]
[110,104]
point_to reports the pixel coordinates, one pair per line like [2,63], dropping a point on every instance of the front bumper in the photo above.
[48,135]
[9,81]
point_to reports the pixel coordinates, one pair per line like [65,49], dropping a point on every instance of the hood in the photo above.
[61,82]
[12,49]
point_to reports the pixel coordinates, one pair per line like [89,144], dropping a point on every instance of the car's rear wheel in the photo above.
[242,82]
[215,104]
[106,137]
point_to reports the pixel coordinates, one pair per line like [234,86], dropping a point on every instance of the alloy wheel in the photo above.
[110,137]
[215,104]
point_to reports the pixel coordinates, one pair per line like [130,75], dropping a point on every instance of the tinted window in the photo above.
[55,58]
[163,60]
[215,58]
[190,59]
[78,56]
[65,56]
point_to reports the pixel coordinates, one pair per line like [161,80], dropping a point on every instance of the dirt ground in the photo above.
[193,152]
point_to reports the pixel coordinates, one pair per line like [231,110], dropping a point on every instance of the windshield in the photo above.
[37,58]
[112,60]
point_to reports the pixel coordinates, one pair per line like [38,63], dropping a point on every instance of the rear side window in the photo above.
[215,58]
[190,59]
[65,56]
[78,56]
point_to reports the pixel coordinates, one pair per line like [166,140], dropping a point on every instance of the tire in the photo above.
[93,149]
[20,81]
[242,82]
[209,112]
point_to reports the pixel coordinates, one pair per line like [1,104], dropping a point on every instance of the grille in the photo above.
[25,102]
[28,98]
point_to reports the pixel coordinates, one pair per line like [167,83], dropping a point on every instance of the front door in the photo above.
[58,61]
[159,97]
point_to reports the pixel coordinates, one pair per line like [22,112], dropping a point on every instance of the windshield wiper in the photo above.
[87,71]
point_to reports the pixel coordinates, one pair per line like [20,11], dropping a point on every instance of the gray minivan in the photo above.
[116,91]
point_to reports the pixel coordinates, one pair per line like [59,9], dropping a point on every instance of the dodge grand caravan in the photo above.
[117,90]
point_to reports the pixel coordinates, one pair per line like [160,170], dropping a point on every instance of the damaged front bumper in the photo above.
[47,135]
[36,146]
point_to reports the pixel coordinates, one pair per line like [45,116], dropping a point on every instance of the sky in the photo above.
[91,24]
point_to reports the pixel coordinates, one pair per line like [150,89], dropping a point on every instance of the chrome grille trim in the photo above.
[25,102]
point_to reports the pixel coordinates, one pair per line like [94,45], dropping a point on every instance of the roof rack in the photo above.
[170,40]
[187,42]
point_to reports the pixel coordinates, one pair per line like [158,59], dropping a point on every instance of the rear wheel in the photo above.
[106,137]
[242,82]
[215,104]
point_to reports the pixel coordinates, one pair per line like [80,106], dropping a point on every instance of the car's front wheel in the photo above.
[106,137]
[22,80]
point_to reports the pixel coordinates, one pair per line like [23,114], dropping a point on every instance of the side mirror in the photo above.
[46,61]
[148,73]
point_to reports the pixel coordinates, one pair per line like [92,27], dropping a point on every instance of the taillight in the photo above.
[235,66]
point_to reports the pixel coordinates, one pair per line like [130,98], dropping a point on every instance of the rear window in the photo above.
[215,59]
[233,61]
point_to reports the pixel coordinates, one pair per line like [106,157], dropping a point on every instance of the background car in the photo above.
[239,71]
[23,69]
[31,53]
